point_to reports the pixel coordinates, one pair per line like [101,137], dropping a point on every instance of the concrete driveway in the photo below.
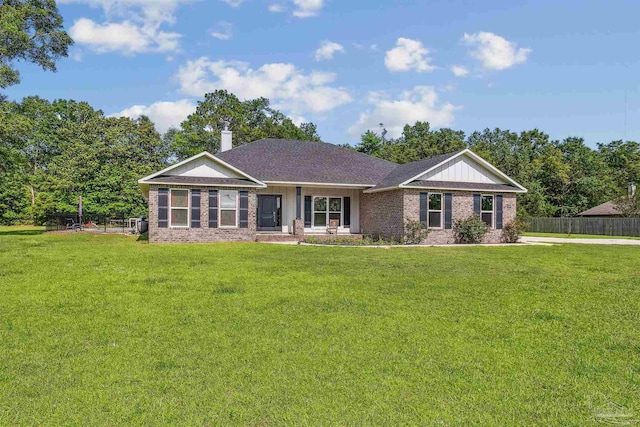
[530,239]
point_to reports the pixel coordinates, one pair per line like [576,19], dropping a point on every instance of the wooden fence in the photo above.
[582,225]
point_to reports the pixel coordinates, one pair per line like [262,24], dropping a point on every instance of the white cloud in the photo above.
[301,8]
[459,71]
[131,26]
[289,88]
[327,49]
[307,8]
[408,55]
[125,37]
[495,52]
[418,104]
[163,114]
[224,31]
[298,120]
[233,3]
[276,8]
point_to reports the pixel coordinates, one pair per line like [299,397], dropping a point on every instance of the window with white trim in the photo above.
[326,209]
[486,209]
[179,208]
[335,210]
[228,208]
[434,210]
[319,211]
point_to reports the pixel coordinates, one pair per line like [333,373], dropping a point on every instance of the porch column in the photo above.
[298,223]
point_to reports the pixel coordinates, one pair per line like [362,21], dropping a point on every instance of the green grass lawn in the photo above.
[105,330]
[580,236]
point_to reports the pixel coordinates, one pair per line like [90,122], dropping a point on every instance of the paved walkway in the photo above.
[527,240]
[531,239]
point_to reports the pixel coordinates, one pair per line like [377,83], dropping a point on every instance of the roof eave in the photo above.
[143,182]
[318,184]
[515,190]
[419,187]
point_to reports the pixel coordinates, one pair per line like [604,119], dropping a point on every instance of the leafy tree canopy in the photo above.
[30,30]
[249,120]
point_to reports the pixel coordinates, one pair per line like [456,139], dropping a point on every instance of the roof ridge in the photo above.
[306,141]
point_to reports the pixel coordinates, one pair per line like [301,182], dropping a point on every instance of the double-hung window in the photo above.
[320,211]
[228,208]
[335,209]
[434,210]
[326,209]
[179,208]
[486,209]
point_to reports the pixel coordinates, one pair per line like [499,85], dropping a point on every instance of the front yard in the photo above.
[104,330]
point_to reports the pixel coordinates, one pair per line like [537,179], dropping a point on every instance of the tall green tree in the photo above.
[589,178]
[417,142]
[32,31]
[249,120]
[623,157]
[370,143]
[52,153]
[102,161]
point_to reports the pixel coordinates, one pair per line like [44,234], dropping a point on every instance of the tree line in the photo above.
[53,152]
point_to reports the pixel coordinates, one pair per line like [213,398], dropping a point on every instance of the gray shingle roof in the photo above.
[305,161]
[605,209]
[407,171]
[195,180]
[452,185]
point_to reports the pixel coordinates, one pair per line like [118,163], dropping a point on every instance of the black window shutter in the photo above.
[307,211]
[195,208]
[424,200]
[476,204]
[347,211]
[298,202]
[499,211]
[244,209]
[163,207]
[213,208]
[448,210]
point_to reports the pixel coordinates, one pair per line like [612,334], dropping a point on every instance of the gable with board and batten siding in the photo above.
[462,169]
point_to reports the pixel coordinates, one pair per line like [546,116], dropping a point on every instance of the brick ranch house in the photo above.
[281,189]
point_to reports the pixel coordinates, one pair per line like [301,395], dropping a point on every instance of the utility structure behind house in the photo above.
[609,209]
[282,189]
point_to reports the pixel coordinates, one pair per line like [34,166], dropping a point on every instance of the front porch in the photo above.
[290,210]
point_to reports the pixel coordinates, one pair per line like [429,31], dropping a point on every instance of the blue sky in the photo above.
[560,66]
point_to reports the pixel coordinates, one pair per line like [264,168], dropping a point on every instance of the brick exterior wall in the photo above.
[384,214]
[381,214]
[462,208]
[204,233]
[298,227]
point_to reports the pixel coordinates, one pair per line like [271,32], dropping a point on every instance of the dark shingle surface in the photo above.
[407,171]
[173,179]
[303,161]
[464,185]
[605,209]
